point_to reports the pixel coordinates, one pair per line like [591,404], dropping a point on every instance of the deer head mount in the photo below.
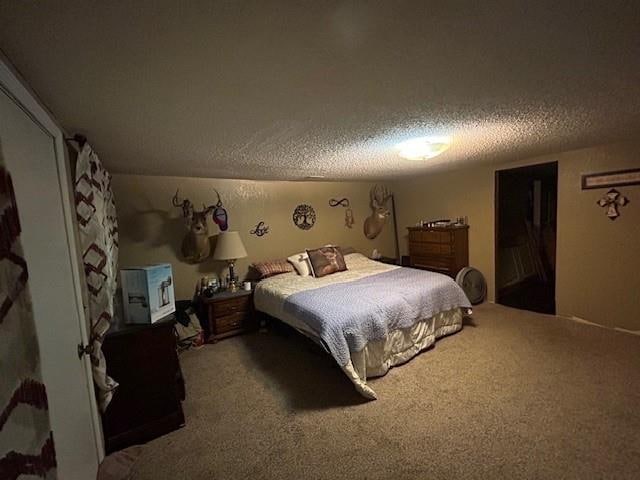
[196,246]
[380,212]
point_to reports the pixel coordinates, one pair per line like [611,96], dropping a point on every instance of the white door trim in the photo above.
[15,87]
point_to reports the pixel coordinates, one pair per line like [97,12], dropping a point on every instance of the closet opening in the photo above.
[525,239]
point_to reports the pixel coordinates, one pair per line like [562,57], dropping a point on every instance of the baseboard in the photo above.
[587,322]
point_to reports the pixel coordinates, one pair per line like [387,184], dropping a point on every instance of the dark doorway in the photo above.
[526,204]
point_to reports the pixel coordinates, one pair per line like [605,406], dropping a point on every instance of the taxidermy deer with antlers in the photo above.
[374,223]
[196,246]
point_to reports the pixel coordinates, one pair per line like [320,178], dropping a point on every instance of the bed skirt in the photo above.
[399,347]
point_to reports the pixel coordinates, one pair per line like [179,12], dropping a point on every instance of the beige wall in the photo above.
[598,260]
[151,229]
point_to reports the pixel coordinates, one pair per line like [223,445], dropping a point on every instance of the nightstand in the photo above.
[388,260]
[226,314]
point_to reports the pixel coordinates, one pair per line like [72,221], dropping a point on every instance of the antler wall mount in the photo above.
[196,245]
[380,212]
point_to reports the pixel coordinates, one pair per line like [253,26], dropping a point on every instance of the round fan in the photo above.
[473,284]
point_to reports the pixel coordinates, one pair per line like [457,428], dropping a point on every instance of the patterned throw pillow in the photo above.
[272,267]
[326,260]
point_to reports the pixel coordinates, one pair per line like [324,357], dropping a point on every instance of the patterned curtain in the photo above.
[98,225]
[26,440]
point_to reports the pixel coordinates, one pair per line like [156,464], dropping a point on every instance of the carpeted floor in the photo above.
[513,395]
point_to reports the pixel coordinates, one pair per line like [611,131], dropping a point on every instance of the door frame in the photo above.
[16,88]
[496,221]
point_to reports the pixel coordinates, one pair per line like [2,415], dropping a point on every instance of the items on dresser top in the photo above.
[439,249]
[147,293]
[225,314]
[147,402]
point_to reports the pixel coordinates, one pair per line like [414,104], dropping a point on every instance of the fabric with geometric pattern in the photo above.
[98,226]
[26,439]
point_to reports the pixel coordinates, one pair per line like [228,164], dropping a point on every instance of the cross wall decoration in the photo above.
[611,201]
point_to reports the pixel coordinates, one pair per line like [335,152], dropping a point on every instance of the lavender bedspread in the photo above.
[348,315]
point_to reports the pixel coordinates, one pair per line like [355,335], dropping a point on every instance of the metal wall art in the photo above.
[611,201]
[343,202]
[304,216]
[349,219]
[260,229]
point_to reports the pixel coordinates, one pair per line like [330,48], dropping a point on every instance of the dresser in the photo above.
[147,402]
[228,313]
[439,249]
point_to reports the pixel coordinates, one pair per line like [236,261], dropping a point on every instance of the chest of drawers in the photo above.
[147,402]
[439,249]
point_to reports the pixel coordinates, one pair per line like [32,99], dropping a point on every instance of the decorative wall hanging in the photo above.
[349,220]
[196,246]
[611,179]
[304,216]
[611,201]
[220,214]
[373,225]
[260,229]
[343,202]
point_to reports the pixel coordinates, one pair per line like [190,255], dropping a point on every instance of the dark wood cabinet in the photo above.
[147,402]
[439,249]
[226,314]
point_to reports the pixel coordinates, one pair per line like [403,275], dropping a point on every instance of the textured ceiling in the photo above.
[267,89]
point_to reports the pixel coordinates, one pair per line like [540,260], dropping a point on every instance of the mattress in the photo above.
[370,317]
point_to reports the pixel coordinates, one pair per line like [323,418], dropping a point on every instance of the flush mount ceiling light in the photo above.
[423,148]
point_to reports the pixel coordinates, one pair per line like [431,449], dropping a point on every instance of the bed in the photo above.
[369,318]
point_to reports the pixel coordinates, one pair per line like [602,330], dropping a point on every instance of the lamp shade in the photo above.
[229,247]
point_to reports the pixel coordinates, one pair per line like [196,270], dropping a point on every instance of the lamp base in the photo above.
[233,284]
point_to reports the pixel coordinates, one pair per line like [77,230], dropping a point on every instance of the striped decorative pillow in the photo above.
[273,267]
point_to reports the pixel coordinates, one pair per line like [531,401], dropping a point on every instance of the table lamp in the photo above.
[230,248]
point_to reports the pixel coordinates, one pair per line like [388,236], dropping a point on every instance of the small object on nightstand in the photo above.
[226,314]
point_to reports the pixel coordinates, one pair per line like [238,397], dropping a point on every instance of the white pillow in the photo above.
[301,263]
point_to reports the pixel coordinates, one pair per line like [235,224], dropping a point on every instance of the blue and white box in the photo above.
[147,293]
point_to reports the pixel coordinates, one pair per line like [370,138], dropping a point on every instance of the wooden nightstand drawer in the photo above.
[231,322]
[231,306]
